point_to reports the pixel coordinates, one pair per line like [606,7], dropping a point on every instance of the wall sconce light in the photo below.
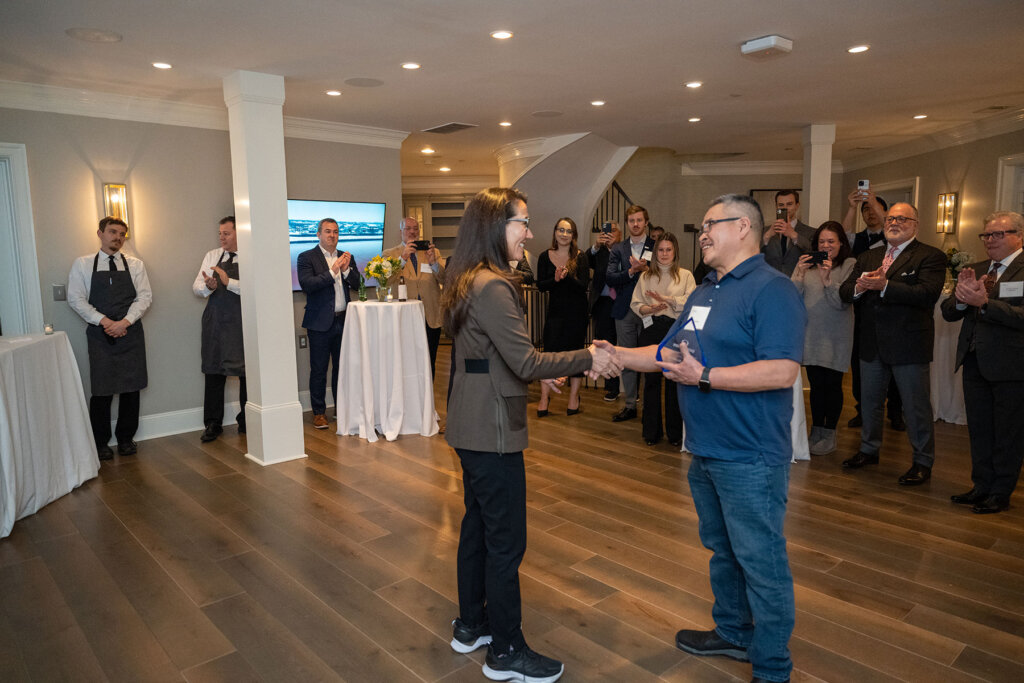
[115,201]
[945,218]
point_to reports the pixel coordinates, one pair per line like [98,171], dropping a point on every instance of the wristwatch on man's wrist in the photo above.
[704,384]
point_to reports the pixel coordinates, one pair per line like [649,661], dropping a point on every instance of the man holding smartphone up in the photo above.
[787,239]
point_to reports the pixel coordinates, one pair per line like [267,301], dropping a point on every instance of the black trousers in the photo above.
[127,417]
[604,328]
[492,542]
[433,339]
[826,395]
[213,400]
[995,428]
[651,417]
[324,348]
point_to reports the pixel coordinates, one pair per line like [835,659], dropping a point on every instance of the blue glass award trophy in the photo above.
[685,337]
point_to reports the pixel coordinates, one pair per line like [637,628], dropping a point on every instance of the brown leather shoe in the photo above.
[320,421]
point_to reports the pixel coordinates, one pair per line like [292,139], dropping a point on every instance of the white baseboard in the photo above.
[188,420]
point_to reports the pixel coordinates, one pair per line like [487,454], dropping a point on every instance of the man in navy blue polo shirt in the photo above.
[744,328]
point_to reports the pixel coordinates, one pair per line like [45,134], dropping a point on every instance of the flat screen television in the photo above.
[360,228]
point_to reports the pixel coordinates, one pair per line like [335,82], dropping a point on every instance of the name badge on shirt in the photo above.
[647,320]
[699,314]
[425,268]
[1009,290]
[647,255]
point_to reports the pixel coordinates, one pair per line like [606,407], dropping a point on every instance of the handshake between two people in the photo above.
[679,366]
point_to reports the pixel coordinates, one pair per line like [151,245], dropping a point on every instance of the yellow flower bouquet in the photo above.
[383,269]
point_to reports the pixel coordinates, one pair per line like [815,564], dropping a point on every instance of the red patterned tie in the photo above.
[993,273]
[890,256]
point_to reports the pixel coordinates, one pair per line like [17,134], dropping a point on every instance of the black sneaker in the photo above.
[467,639]
[709,643]
[523,665]
[611,396]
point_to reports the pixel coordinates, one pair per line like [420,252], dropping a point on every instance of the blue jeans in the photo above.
[741,508]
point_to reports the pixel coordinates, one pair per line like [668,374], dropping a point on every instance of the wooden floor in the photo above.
[189,562]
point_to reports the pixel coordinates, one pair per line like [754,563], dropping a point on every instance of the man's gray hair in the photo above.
[745,206]
[1016,220]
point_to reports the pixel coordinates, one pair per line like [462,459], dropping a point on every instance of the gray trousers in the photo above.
[915,389]
[627,335]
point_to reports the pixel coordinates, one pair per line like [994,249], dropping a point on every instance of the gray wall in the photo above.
[179,184]
[970,169]
[653,179]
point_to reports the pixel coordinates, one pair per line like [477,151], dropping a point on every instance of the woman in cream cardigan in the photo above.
[494,361]
[659,296]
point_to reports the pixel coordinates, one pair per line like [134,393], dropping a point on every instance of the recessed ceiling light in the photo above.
[444,169]
[693,119]
[598,103]
[161,65]
[334,93]
[921,116]
[93,35]
[506,124]
[858,49]
[501,35]
[427,150]
[411,66]
[694,84]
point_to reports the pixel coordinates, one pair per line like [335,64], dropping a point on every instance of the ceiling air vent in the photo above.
[449,128]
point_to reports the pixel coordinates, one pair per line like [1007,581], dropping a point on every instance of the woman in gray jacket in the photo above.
[828,340]
[494,361]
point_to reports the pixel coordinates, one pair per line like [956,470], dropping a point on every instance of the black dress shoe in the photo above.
[105,452]
[678,443]
[855,421]
[213,430]
[917,474]
[611,396]
[990,505]
[127,448]
[651,442]
[859,460]
[970,498]
[542,413]
[898,423]
[709,643]
[625,414]
[577,410]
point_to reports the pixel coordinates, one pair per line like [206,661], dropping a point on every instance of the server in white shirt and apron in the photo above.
[111,292]
[222,352]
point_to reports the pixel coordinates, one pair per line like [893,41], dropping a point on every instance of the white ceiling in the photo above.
[948,59]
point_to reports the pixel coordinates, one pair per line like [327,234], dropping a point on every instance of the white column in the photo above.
[256,126]
[818,139]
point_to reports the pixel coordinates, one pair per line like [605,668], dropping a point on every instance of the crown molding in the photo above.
[447,184]
[331,131]
[709,168]
[79,102]
[534,147]
[1000,124]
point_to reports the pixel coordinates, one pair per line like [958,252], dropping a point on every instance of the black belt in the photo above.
[477,366]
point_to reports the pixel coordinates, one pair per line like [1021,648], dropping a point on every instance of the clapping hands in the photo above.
[971,290]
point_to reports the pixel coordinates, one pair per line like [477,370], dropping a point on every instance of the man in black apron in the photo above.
[111,292]
[222,352]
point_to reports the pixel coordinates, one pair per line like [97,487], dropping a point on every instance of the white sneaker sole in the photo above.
[463,648]
[495,675]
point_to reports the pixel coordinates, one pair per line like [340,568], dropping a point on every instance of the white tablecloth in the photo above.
[947,386]
[46,444]
[384,375]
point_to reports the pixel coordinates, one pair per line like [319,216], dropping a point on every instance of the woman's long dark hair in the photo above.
[480,244]
[845,251]
[574,249]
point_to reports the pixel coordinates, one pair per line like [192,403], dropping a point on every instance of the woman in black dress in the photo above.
[562,271]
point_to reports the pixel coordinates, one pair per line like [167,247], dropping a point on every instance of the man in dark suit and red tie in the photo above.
[897,289]
[326,275]
[989,298]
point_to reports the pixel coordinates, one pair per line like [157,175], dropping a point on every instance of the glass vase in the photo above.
[382,290]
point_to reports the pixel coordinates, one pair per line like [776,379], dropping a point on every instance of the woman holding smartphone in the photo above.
[828,340]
